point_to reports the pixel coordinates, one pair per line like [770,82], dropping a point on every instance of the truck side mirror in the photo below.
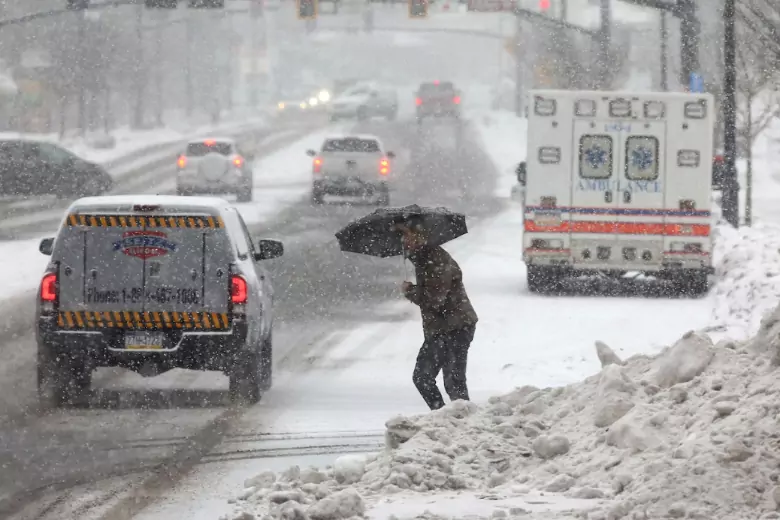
[46,246]
[521,173]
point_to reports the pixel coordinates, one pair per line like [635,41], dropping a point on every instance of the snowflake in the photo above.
[642,158]
[595,156]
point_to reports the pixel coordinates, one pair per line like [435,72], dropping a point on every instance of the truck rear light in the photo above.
[456,100]
[687,205]
[238,161]
[49,288]
[181,162]
[384,167]
[418,101]
[317,165]
[548,202]
[239,292]
[629,253]
[647,255]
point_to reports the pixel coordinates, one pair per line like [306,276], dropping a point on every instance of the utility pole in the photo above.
[690,30]
[604,44]
[664,53]
[730,197]
[140,77]
[82,100]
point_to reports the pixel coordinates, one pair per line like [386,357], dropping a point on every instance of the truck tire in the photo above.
[61,380]
[244,378]
[267,364]
[244,195]
[542,279]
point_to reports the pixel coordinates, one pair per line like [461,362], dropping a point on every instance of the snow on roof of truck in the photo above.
[217,139]
[126,203]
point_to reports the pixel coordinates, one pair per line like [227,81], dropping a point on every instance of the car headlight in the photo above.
[281,106]
[324,96]
[313,101]
[303,106]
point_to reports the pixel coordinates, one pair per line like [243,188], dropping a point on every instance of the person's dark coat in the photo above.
[439,292]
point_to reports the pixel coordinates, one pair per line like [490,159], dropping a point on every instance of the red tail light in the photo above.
[317,166]
[719,159]
[418,101]
[384,166]
[182,162]
[238,162]
[456,100]
[238,290]
[49,288]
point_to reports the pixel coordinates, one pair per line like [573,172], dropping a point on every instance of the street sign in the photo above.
[696,84]
[491,6]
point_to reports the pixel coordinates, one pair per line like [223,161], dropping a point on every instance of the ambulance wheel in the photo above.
[693,284]
[542,279]
[266,364]
[244,378]
[61,380]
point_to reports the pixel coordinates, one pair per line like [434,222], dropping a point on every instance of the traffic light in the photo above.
[161,4]
[544,5]
[307,9]
[256,8]
[78,5]
[206,4]
[418,8]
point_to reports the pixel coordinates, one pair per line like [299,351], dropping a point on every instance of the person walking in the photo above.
[449,320]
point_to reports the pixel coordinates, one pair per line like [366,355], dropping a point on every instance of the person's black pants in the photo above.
[446,352]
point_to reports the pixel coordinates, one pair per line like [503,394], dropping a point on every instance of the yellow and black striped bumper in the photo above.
[146,222]
[91,320]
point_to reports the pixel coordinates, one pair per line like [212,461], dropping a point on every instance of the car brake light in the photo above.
[317,165]
[548,202]
[719,159]
[49,288]
[418,101]
[436,82]
[209,142]
[238,290]
[456,100]
[182,162]
[384,166]
[238,162]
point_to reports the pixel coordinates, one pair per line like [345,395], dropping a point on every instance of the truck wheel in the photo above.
[542,279]
[245,195]
[244,378]
[61,380]
[266,364]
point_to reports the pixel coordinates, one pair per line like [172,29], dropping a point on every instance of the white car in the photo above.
[365,100]
[215,166]
[352,166]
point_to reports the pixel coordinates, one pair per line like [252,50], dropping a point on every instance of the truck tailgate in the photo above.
[122,265]
[351,164]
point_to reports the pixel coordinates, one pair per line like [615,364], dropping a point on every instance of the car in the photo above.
[215,166]
[437,99]
[153,283]
[37,167]
[365,100]
[300,100]
[352,166]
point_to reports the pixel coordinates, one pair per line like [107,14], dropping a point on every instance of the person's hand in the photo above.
[406,287]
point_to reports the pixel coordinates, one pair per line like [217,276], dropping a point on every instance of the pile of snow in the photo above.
[689,433]
[747,262]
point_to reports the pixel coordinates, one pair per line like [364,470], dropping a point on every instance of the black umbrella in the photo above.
[376,234]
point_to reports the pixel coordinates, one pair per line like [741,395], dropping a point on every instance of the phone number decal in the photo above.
[139,295]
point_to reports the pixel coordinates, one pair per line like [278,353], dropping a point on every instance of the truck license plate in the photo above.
[144,340]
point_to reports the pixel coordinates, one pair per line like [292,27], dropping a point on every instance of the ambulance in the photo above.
[618,183]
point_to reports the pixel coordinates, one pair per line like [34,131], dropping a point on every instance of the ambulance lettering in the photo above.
[613,185]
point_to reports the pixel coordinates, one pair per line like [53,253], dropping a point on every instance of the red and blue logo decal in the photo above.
[144,244]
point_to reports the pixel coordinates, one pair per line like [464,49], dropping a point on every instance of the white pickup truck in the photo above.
[352,166]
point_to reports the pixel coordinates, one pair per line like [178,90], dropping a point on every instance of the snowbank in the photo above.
[690,433]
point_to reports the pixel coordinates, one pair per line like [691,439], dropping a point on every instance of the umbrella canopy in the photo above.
[376,233]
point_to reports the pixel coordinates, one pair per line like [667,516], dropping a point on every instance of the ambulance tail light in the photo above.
[50,291]
[317,165]
[384,167]
[687,205]
[181,162]
[548,202]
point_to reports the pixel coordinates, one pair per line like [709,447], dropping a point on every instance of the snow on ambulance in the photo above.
[618,182]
